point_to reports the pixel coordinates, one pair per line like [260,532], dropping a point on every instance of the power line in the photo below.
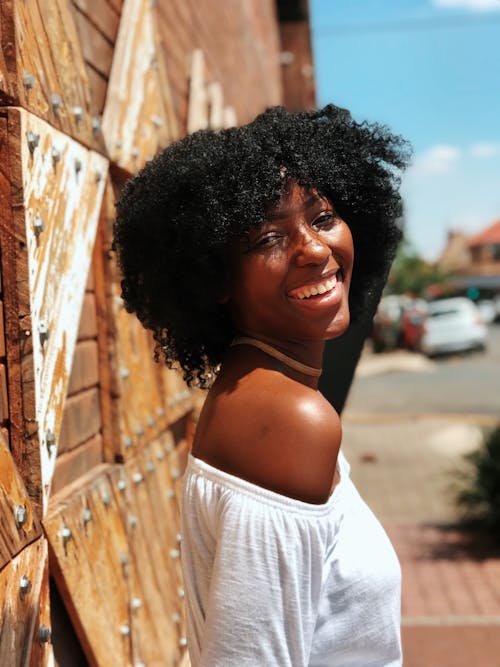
[410,24]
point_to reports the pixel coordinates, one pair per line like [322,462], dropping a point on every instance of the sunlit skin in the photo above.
[262,420]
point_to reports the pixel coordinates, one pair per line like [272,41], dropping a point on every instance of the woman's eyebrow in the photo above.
[285,213]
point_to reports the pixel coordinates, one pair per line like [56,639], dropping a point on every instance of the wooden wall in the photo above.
[93,434]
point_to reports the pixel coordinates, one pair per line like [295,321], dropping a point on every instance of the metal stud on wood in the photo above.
[28,81]
[38,225]
[33,141]
[20,515]
[56,103]
[44,634]
[24,586]
[43,332]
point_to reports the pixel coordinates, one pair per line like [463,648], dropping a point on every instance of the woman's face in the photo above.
[291,276]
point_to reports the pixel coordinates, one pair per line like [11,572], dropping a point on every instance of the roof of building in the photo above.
[487,236]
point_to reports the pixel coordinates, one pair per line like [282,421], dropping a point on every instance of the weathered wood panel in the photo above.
[57,187]
[20,587]
[81,419]
[43,68]
[138,119]
[115,545]
[73,464]
[19,525]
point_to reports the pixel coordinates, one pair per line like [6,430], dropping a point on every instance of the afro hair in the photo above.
[177,216]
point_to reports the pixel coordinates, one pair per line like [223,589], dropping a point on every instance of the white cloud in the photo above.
[471,5]
[485,149]
[438,159]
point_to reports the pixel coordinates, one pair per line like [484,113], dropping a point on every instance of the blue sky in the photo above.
[430,69]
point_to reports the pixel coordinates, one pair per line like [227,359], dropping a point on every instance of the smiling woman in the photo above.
[244,251]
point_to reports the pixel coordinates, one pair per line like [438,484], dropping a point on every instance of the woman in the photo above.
[244,250]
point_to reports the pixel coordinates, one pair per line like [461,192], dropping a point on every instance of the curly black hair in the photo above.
[176,217]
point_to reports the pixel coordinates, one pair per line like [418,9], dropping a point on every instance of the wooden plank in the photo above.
[98,86]
[85,369]
[4,397]
[62,187]
[101,15]
[96,49]
[152,564]
[81,420]
[88,318]
[109,408]
[20,586]
[45,68]
[2,332]
[80,545]
[72,465]
[116,5]
[135,126]
[42,654]
[198,112]
[19,525]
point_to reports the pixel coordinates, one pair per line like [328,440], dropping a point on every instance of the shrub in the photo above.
[479,496]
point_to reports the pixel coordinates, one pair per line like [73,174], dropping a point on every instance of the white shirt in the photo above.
[271,581]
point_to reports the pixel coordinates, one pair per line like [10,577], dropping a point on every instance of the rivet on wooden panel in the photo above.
[96,125]
[157,121]
[33,141]
[20,515]
[175,474]
[174,553]
[134,152]
[180,592]
[86,515]
[160,412]
[121,484]
[160,455]
[139,431]
[183,641]
[127,443]
[176,618]
[169,447]
[150,466]
[78,166]
[136,603]
[65,534]
[178,538]
[44,634]
[151,421]
[170,494]
[124,373]
[56,155]
[24,586]
[50,438]
[98,176]
[106,498]
[38,225]
[56,103]
[124,630]
[28,81]
[137,478]
[43,332]
[132,520]
[78,114]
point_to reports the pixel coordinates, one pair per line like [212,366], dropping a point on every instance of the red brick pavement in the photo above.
[451,597]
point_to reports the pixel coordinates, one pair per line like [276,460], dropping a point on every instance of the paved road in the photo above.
[404,383]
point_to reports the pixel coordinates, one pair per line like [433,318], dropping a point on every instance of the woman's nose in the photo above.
[310,249]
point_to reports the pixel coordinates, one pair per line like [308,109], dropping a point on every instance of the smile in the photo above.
[318,288]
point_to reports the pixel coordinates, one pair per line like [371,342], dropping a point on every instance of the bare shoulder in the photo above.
[279,434]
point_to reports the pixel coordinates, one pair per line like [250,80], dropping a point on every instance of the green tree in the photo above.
[410,274]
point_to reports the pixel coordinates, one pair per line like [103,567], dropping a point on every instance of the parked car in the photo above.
[386,330]
[487,310]
[453,325]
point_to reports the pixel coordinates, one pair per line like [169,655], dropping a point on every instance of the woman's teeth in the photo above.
[321,288]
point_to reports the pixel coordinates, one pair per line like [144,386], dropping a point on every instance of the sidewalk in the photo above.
[405,468]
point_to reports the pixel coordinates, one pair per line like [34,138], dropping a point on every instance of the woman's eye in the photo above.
[325,221]
[266,240]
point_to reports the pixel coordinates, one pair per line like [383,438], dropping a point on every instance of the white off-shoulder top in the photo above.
[271,581]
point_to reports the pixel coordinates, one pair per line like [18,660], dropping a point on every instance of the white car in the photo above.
[453,325]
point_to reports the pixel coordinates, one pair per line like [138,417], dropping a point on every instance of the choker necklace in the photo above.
[280,356]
